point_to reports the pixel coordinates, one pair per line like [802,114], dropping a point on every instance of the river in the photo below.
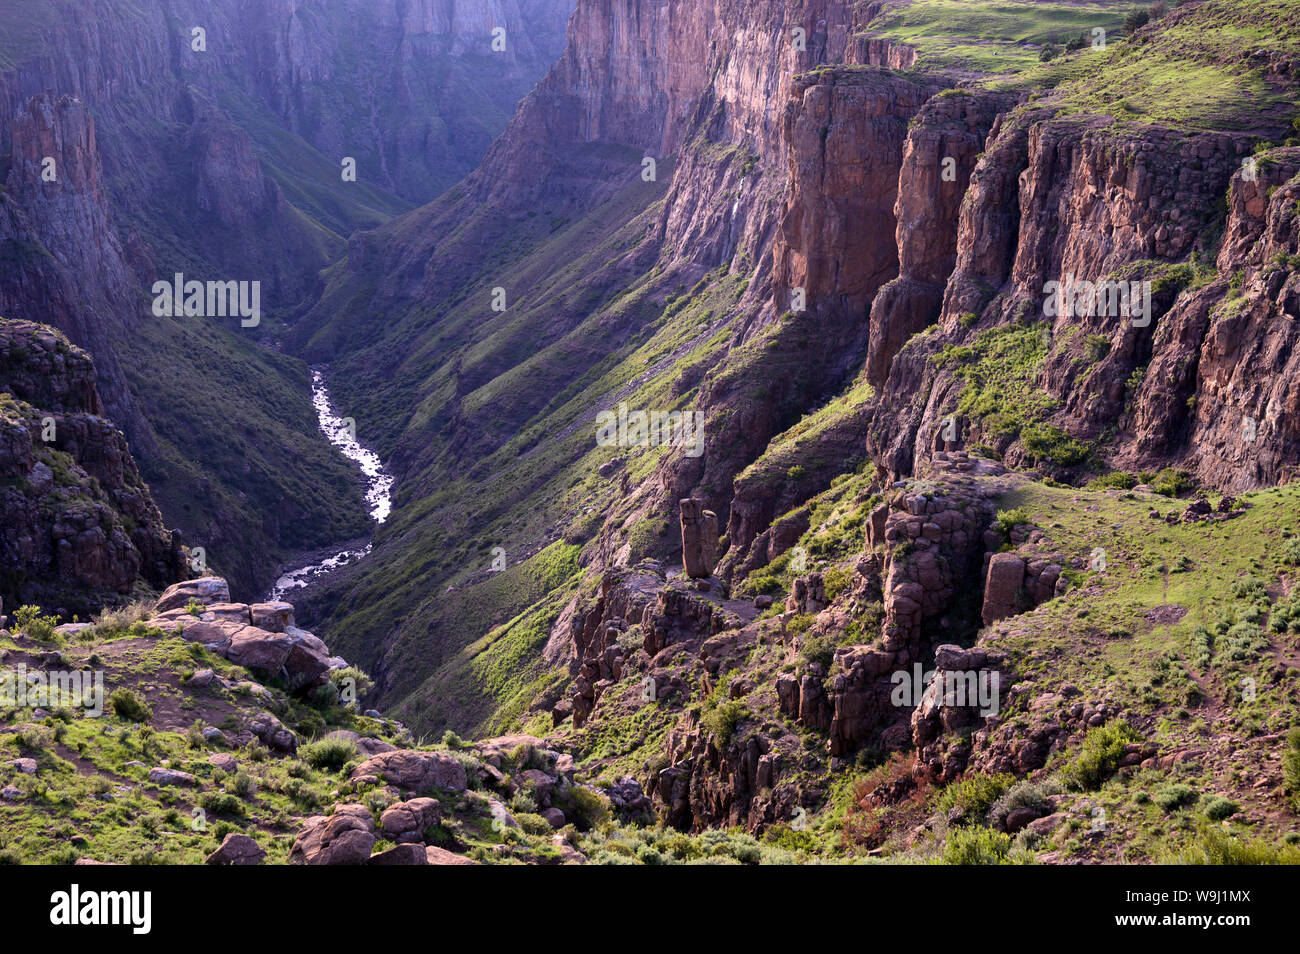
[379,491]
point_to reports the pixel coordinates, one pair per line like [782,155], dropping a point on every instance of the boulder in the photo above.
[230,612]
[272,732]
[415,771]
[272,617]
[344,838]
[224,761]
[255,648]
[205,589]
[308,660]
[401,855]
[404,819]
[166,776]
[441,856]
[237,849]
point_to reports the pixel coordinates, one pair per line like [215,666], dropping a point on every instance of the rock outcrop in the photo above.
[80,527]
[699,539]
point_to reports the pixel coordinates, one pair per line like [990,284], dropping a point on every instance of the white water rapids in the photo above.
[379,490]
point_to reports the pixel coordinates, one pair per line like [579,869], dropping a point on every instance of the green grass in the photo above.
[999,37]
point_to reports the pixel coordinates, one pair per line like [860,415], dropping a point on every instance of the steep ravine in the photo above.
[378,497]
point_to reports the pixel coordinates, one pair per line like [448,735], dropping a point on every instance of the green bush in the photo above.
[1099,756]
[1046,442]
[1217,808]
[330,753]
[1024,794]
[28,619]
[836,580]
[1214,846]
[976,846]
[1171,483]
[1171,797]
[1009,519]
[1117,480]
[973,796]
[1135,19]
[127,705]
[721,717]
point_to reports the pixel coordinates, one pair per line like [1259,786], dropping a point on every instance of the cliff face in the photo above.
[80,527]
[1056,200]
[414,91]
[56,228]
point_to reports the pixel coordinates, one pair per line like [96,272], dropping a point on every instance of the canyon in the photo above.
[827,230]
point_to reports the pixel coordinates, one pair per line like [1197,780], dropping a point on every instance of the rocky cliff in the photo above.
[80,527]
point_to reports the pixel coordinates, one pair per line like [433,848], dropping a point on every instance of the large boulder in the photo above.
[406,821]
[414,771]
[344,838]
[205,589]
[272,617]
[255,648]
[441,856]
[308,660]
[237,849]
[410,854]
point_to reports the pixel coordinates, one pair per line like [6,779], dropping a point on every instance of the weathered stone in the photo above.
[1002,585]
[699,538]
[416,771]
[237,849]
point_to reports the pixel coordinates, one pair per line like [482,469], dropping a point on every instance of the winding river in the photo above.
[379,491]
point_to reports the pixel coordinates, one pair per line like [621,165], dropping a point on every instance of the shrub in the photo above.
[1118,480]
[1174,796]
[1136,19]
[1009,519]
[221,803]
[585,808]
[28,619]
[721,717]
[329,753]
[1096,347]
[1171,483]
[976,846]
[836,580]
[972,797]
[1046,442]
[1217,808]
[127,705]
[1021,795]
[1099,756]
[1217,847]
